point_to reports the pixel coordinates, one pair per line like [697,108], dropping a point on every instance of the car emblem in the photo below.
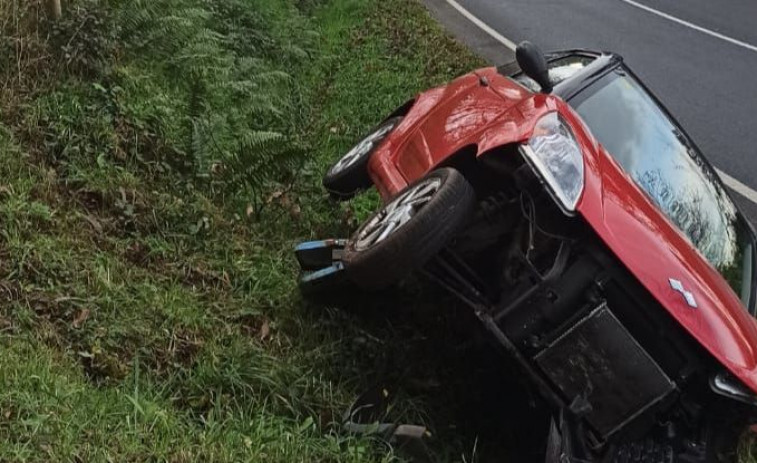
[678,286]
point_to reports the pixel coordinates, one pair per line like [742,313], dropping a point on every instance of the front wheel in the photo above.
[350,173]
[410,229]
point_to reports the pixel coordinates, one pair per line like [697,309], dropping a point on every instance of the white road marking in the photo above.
[701,29]
[730,182]
[737,186]
[482,25]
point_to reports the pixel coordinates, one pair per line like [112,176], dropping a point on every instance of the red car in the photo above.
[561,201]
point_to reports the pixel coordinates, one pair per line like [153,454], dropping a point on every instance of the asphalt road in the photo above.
[699,57]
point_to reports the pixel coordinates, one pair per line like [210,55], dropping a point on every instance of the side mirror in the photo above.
[531,60]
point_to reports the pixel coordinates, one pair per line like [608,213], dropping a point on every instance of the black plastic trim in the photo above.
[603,63]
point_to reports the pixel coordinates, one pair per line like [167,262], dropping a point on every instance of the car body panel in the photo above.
[453,122]
[655,251]
[486,110]
[443,121]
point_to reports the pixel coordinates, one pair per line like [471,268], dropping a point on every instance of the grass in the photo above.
[155,171]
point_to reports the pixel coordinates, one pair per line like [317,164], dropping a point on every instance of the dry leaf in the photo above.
[274,196]
[95,223]
[81,317]
[265,330]
[216,168]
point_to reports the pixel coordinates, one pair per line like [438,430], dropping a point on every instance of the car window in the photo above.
[653,151]
[559,70]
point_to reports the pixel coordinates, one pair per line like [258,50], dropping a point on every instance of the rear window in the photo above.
[654,152]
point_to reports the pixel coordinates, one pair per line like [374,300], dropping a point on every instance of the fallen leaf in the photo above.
[265,330]
[81,317]
[275,196]
[216,168]
[95,223]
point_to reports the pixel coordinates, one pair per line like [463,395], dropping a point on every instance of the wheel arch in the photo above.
[463,159]
[485,170]
[401,110]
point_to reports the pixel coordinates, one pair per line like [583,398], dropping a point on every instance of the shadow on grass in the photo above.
[442,367]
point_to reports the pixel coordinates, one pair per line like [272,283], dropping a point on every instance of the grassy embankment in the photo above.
[158,160]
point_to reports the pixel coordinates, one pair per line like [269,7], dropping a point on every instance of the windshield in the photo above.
[654,152]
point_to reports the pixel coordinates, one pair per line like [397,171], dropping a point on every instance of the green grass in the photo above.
[149,302]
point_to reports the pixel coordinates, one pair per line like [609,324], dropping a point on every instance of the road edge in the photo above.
[483,40]
[465,30]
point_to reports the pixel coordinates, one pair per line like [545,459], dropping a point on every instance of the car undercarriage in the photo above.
[582,328]
[620,373]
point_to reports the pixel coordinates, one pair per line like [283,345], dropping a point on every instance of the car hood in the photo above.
[647,243]
[659,255]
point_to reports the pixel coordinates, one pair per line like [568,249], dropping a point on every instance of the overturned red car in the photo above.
[559,199]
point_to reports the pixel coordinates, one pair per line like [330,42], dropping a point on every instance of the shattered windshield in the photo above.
[649,147]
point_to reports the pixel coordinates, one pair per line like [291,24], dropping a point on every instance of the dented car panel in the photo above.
[655,251]
[445,120]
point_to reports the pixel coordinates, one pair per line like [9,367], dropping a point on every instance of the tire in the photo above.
[349,174]
[430,226]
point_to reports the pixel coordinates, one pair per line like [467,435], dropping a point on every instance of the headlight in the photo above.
[554,153]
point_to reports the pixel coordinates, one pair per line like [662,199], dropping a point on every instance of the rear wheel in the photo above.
[406,232]
[349,174]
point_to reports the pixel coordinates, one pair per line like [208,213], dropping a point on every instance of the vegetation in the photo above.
[158,161]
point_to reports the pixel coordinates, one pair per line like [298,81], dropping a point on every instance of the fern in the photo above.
[239,101]
[262,159]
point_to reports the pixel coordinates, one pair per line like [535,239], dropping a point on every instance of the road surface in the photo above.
[699,57]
